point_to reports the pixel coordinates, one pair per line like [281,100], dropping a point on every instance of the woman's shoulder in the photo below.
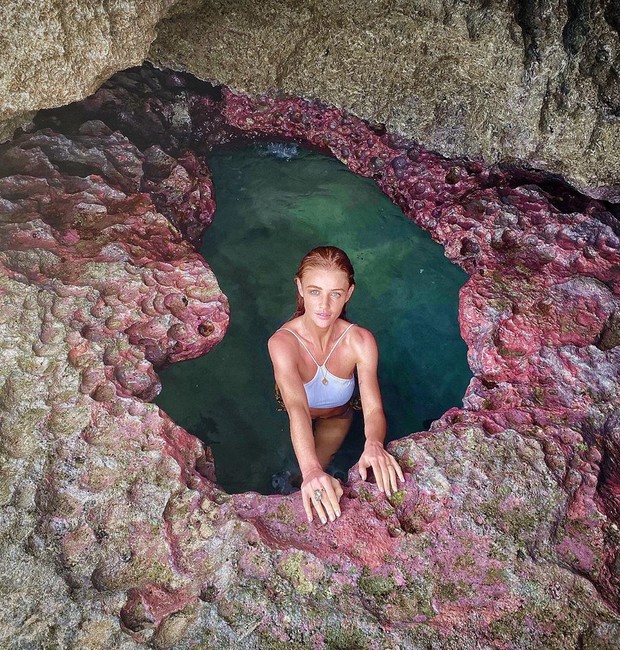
[357,330]
[363,345]
[359,335]
[282,336]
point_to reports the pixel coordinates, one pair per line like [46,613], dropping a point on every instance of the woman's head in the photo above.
[324,258]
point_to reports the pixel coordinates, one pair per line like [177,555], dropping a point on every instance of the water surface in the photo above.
[274,203]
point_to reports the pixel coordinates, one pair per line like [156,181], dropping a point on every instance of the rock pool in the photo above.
[275,202]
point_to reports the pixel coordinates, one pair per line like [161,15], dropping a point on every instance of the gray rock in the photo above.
[532,84]
[524,83]
[54,53]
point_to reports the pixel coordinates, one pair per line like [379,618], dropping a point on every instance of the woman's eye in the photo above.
[335,294]
[314,292]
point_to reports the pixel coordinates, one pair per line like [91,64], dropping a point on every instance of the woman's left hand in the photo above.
[384,466]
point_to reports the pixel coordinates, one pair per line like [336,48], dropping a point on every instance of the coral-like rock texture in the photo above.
[114,533]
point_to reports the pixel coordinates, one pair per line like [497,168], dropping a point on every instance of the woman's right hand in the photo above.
[316,482]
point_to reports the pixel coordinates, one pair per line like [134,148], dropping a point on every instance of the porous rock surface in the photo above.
[56,51]
[114,534]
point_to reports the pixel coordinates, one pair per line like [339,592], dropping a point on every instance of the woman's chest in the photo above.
[338,367]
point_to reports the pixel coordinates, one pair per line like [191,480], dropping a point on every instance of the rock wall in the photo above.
[534,83]
[521,82]
[114,533]
[54,52]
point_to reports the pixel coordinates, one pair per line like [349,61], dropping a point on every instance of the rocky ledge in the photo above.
[114,532]
[521,82]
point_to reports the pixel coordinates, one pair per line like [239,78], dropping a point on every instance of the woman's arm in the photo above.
[282,353]
[384,466]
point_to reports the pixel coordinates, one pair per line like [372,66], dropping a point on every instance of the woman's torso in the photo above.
[327,375]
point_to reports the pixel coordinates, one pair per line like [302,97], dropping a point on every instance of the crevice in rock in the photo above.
[529,14]
[610,334]
[612,15]
[577,27]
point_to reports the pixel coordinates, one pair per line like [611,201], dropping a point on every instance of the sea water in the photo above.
[275,202]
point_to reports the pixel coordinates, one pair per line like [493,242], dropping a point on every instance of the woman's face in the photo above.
[325,293]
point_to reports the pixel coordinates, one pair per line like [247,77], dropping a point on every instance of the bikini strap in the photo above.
[310,353]
[286,329]
[335,344]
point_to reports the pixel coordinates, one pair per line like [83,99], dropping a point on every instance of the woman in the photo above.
[319,397]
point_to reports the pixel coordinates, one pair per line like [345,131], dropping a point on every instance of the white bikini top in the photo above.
[325,390]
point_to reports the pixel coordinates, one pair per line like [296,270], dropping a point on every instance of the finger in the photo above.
[338,492]
[307,507]
[363,472]
[392,473]
[385,477]
[398,469]
[318,506]
[376,468]
[330,501]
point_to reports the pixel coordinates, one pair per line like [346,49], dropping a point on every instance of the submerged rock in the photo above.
[505,532]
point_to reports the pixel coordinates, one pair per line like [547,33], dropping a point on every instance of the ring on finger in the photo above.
[318,495]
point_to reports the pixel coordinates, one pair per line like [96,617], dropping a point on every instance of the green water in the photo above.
[270,211]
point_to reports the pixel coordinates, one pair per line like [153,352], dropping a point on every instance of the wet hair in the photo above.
[328,258]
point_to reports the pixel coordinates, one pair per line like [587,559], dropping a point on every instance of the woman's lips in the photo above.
[323,316]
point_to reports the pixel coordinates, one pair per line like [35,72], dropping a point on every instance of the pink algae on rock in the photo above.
[505,532]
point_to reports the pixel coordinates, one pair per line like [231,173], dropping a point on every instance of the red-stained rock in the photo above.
[505,532]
